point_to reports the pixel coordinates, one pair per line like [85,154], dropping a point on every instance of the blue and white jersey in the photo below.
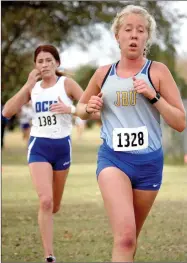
[129,121]
[45,123]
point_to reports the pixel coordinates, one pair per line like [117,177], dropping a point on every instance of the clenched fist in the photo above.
[143,88]
[94,104]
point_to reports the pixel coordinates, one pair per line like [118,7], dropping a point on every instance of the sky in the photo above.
[182,47]
[106,50]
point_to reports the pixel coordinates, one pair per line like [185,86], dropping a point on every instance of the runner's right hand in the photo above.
[95,103]
[34,76]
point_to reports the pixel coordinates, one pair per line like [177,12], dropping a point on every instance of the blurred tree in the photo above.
[83,74]
[182,65]
[181,72]
[25,24]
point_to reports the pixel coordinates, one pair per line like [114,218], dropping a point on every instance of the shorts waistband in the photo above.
[136,157]
[50,139]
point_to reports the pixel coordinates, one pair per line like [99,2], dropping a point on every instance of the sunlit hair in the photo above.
[133,9]
[54,52]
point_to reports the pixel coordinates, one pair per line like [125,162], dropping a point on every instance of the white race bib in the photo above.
[47,119]
[130,139]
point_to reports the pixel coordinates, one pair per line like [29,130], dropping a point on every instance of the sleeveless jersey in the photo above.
[45,123]
[129,121]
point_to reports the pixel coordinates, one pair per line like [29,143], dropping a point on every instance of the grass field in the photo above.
[82,232]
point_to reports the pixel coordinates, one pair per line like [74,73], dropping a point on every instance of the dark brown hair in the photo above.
[53,51]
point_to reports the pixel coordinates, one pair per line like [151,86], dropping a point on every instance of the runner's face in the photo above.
[132,36]
[46,64]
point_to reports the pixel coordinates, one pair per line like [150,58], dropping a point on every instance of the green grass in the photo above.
[82,232]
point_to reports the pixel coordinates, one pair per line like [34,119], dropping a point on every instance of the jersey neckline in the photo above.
[49,87]
[115,71]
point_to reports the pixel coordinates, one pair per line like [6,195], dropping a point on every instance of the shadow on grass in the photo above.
[82,233]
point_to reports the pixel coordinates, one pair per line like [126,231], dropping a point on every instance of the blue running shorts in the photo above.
[57,152]
[143,170]
[25,126]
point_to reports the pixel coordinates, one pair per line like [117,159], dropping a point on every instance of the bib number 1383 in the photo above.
[130,139]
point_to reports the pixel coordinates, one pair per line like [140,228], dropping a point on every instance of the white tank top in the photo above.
[45,123]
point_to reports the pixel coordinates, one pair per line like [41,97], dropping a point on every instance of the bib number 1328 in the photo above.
[130,139]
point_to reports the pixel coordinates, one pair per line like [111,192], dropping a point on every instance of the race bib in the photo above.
[47,120]
[130,139]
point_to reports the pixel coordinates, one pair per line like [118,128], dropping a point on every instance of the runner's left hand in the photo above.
[60,107]
[143,88]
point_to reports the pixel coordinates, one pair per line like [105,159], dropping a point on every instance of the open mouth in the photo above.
[133,45]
